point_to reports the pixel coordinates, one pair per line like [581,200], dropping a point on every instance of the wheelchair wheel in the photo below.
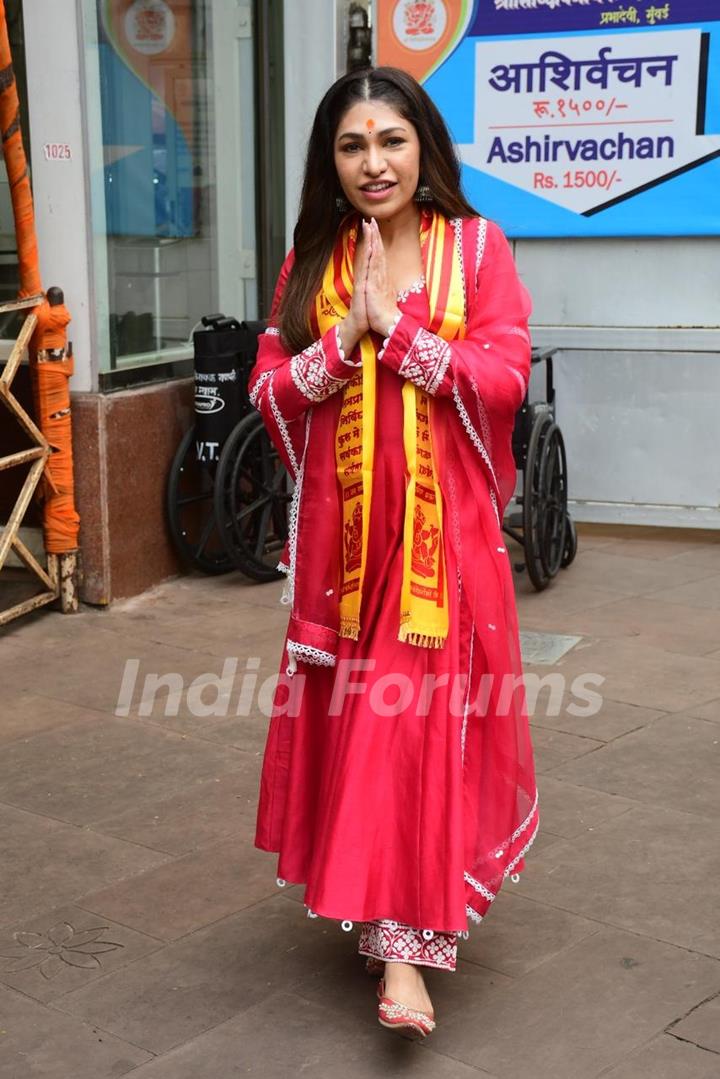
[252,499]
[190,511]
[544,502]
[571,543]
[553,477]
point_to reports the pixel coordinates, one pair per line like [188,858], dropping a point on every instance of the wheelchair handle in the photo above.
[220,322]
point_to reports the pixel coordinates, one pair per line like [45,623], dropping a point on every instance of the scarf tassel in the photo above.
[422,640]
[350,627]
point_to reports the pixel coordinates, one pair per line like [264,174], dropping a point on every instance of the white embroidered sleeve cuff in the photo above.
[321,369]
[416,354]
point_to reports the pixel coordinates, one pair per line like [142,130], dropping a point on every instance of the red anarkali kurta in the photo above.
[396,816]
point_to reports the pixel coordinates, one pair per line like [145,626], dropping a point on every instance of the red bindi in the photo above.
[370,124]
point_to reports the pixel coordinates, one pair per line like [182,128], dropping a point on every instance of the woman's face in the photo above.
[377,157]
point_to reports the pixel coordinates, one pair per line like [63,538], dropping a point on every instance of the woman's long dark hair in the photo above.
[319,218]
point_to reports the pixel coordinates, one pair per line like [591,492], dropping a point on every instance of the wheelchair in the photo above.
[228,491]
[541,524]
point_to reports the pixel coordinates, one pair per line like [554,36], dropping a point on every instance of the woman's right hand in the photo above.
[355,324]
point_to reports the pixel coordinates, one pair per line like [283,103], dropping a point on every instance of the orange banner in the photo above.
[417,35]
[154,38]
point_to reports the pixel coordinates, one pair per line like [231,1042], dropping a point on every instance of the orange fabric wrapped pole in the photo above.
[17,170]
[50,367]
[51,370]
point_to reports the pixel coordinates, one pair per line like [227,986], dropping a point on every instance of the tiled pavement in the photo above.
[142,934]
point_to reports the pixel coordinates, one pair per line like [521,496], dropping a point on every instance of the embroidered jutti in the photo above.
[401,794]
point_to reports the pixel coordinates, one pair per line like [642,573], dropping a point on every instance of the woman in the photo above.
[398,785]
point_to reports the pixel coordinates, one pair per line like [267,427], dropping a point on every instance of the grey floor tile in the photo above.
[568,810]
[238,666]
[672,763]
[613,719]
[644,675]
[703,593]
[710,711]
[13,640]
[543,840]
[216,631]
[593,536]
[706,553]
[665,1057]
[226,621]
[580,1012]
[193,891]
[230,593]
[556,747]
[288,1035]
[87,772]
[702,1026]
[194,984]
[49,626]
[48,863]
[650,871]
[622,575]
[231,691]
[659,544]
[26,714]
[518,934]
[248,733]
[38,1041]
[195,816]
[64,949]
[113,658]
[564,597]
[676,628]
[92,683]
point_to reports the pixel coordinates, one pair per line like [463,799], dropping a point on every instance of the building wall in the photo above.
[62,205]
[310,67]
[638,374]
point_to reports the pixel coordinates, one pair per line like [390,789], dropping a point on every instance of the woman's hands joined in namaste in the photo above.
[374,302]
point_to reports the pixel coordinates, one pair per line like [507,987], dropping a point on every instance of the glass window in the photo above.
[171,139]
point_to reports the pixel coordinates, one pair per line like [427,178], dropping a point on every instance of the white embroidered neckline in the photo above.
[417,286]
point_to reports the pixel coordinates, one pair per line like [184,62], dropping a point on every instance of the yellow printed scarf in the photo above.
[424,596]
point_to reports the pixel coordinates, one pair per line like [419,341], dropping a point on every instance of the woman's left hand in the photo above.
[380,297]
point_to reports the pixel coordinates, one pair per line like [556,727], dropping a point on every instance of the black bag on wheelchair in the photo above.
[225,354]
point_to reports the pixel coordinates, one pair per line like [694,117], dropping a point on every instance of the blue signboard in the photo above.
[587,117]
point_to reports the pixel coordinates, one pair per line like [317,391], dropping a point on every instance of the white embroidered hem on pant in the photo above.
[394,942]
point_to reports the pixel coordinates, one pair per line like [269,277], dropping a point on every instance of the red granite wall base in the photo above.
[123,445]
